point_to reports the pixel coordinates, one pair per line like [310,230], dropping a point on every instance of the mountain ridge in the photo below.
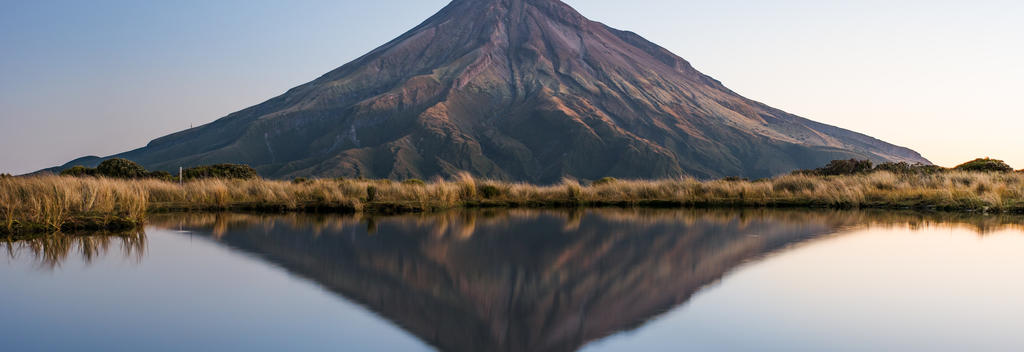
[514,89]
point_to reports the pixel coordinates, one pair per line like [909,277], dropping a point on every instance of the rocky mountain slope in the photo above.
[514,89]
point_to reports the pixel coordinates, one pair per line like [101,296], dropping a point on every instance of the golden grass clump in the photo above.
[52,203]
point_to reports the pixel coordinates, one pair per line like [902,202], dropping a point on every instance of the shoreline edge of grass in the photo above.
[49,203]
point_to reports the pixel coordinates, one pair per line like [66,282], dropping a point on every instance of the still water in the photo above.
[516,280]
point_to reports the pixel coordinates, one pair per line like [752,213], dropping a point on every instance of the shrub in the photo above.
[984,165]
[735,179]
[414,182]
[300,180]
[121,168]
[222,171]
[905,168]
[371,193]
[117,168]
[841,167]
[604,181]
[489,191]
[162,175]
[79,171]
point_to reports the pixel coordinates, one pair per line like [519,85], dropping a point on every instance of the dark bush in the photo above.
[604,181]
[414,182]
[735,179]
[842,167]
[117,168]
[907,168]
[79,171]
[162,175]
[6,176]
[300,180]
[984,165]
[371,193]
[222,171]
[121,168]
[489,191]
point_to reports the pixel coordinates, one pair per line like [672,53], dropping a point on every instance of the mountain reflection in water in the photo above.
[520,280]
[512,280]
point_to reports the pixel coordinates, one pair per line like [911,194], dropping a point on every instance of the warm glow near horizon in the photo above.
[98,78]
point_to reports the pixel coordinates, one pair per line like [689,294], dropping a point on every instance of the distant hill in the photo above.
[513,89]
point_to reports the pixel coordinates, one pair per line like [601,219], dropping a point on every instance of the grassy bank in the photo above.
[52,203]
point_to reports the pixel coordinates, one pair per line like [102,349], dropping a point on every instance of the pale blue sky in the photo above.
[100,77]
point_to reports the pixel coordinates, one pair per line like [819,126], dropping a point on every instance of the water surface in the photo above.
[599,280]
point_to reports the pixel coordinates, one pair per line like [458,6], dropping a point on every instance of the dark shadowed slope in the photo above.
[514,89]
[518,280]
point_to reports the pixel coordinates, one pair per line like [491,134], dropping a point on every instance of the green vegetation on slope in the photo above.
[117,168]
[222,171]
[855,167]
[127,169]
[985,164]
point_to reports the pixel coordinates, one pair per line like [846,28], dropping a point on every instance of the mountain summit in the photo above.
[514,89]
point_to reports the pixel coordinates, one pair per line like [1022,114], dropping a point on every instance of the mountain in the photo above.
[517,281]
[514,89]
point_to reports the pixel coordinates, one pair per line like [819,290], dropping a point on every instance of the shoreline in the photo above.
[89,225]
[92,223]
[40,204]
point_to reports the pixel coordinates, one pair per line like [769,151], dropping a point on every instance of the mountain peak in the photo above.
[516,9]
[515,89]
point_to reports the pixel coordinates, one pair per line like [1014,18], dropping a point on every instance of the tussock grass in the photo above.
[54,203]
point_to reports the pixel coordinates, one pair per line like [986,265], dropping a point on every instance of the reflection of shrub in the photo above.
[221,171]
[79,171]
[604,181]
[121,168]
[985,164]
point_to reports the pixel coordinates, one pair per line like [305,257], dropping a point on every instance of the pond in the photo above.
[523,280]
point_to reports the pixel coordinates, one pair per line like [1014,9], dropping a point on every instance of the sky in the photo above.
[105,76]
